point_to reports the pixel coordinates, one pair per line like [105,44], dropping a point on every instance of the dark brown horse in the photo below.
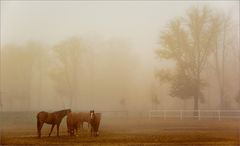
[94,122]
[54,118]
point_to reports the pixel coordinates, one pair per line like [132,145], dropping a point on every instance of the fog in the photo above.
[102,55]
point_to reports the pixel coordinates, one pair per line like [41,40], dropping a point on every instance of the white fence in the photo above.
[201,114]
[176,114]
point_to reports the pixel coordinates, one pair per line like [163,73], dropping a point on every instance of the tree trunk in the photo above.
[196,97]
[223,70]
[238,96]
[196,106]
[222,102]
[219,76]
[1,106]
[196,100]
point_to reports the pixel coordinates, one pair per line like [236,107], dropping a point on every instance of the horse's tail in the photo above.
[38,125]
[68,124]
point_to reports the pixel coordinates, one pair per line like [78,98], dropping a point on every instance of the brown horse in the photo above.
[94,121]
[73,122]
[84,117]
[54,118]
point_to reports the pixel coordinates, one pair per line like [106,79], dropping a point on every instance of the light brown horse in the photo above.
[75,121]
[54,118]
[84,117]
[94,122]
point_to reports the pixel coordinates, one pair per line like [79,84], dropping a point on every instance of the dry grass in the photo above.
[129,132]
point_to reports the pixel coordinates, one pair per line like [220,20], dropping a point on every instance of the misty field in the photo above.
[20,129]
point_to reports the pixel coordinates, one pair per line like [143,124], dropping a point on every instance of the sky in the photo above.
[51,21]
[138,22]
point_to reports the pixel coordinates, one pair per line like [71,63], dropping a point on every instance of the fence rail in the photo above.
[200,114]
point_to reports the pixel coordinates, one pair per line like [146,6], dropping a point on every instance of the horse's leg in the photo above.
[81,125]
[91,131]
[58,129]
[40,125]
[77,127]
[51,129]
[76,130]
[68,127]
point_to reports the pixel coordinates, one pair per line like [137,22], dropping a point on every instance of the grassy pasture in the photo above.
[20,129]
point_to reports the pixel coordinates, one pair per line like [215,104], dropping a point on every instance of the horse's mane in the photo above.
[61,111]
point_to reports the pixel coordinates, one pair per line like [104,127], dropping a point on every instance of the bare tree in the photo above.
[1,104]
[237,47]
[222,49]
[66,72]
[189,42]
[17,71]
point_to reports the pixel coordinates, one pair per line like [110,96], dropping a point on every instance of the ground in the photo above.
[20,130]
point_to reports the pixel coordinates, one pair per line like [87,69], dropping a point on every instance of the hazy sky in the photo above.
[139,22]
[52,21]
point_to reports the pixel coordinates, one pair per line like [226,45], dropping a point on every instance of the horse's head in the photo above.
[92,115]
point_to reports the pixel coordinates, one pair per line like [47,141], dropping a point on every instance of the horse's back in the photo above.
[46,117]
[42,114]
[83,116]
[72,117]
